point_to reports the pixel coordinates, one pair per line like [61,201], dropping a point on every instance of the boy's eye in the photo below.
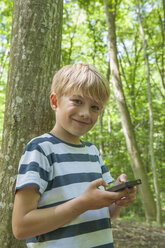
[95,108]
[77,101]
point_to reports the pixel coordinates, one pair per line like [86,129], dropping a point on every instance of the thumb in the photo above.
[121,179]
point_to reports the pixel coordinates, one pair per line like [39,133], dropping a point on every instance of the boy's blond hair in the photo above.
[83,79]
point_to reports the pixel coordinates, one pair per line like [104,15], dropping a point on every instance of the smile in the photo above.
[81,122]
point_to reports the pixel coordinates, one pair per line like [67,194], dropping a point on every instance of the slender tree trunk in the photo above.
[72,36]
[151,136]
[163,35]
[136,163]
[34,57]
[101,143]
[162,22]
[4,62]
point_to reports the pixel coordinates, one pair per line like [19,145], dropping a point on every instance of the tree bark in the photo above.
[101,143]
[34,57]
[151,123]
[136,163]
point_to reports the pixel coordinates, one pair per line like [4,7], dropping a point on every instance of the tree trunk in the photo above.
[163,35]
[34,57]
[101,142]
[136,163]
[151,136]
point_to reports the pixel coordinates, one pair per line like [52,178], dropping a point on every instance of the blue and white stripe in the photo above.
[62,172]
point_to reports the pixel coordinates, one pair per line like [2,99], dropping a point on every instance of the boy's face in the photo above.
[75,116]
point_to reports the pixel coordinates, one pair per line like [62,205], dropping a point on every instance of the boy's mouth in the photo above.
[81,122]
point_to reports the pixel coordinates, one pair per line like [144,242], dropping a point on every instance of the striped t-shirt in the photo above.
[62,172]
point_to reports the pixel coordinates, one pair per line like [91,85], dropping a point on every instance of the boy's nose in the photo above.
[85,113]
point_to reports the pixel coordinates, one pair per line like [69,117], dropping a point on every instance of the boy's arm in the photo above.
[28,221]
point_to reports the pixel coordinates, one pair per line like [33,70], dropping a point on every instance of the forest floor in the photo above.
[132,234]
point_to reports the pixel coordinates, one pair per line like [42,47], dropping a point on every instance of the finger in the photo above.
[130,195]
[126,201]
[118,195]
[99,182]
[132,190]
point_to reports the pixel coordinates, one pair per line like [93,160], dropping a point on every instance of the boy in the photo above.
[60,199]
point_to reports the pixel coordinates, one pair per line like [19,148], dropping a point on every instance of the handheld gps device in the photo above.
[127,184]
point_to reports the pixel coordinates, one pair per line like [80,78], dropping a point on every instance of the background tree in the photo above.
[137,166]
[34,57]
[151,119]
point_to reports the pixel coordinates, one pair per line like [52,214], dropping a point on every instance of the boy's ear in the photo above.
[53,101]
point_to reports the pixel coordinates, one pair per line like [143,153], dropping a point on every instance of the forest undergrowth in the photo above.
[132,234]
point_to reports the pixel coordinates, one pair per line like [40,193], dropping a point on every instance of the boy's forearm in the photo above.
[114,211]
[40,221]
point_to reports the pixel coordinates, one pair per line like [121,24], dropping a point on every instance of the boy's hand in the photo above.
[131,196]
[94,198]
[129,199]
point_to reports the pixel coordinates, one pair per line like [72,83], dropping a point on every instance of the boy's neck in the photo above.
[66,138]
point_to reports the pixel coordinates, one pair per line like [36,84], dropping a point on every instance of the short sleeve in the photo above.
[33,168]
[105,172]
